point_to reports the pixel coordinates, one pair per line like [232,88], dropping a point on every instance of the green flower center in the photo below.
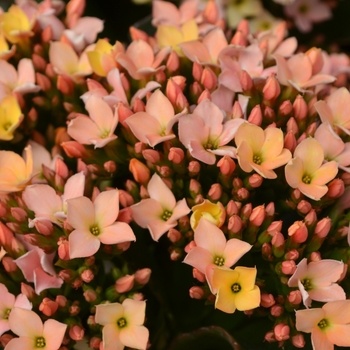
[166,215]
[322,324]
[104,134]
[7,126]
[238,2]
[219,261]
[257,159]
[40,342]
[306,179]
[307,284]
[121,323]
[303,8]
[211,144]
[95,230]
[6,314]
[236,288]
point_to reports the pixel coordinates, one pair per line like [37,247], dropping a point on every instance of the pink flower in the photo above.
[261,150]
[336,110]
[97,130]
[307,172]
[33,334]
[95,223]
[155,124]
[7,302]
[317,280]
[37,267]
[138,65]
[123,324]
[160,212]
[333,146]
[306,12]
[205,135]
[213,250]
[328,325]
[297,72]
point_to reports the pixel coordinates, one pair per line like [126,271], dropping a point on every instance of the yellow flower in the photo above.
[16,24]
[213,212]
[10,117]
[236,289]
[172,36]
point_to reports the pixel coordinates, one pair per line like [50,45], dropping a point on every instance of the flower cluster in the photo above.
[194,166]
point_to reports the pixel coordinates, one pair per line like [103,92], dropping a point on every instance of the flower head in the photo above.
[236,289]
[213,212]
[123,324]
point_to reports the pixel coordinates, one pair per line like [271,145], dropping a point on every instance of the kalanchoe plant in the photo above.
[189,189]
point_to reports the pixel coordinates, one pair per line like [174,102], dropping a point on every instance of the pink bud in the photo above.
[43,81]
[176,155]
[19,214]
[110,166]
[270,337]
[9,264]
[194,167]
[316,59]
[198,275]
[255,180]
[336,188]
[227,165]
[196,292]
[196,90]
[39,62]
[276,310]
[257,216]
[142,276]
[125,199]
[298,341]
[215,192]
[189,246]
[125,283]
[95,343]
[285,108]
[174,235]
[65,85]
[211,12]
[271,88]
[151,155]
[90,295]
[323,227]
[233,207]
[304,206]
[281,332]
[45,227]
[124,245]
[61,300]
[292,255]
[175,254]
[87,276]
[267,300]
[288,267]
[315,256]
[255,116]
[173,62]
[300,108]
[73,149]
[275,226]
[140,171]
[292,126]
[246,211]
[298,232]
[310,131]
[235,224]
[27,290]
[197,71]
[311,218]
[205,95]
[63,248]
[5,339]
[290,141]
[246,82]
[172,90]
[208,79]
[277,240]
[266,250]
[123,113]
[139,106]
[237,111]
[76,333]
[295,297]
[48,307]
[270,116]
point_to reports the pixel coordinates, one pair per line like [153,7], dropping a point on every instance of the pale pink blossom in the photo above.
[205,135]
[21,81]
[98,130]
[238,10]
[160,212]
[155,124]
[212,249]
[261,150]
[328,325]
[47,204]
[307,12]
[7,302]
[123,324]
[335,110]
[297,72]
[333,146]
[37,267]
[95,223]
[33,334]
[140,61]
[317,280]
[307,172]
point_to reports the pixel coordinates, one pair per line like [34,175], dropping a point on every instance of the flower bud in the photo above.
[271,88]
[298,341]
[276,310]
[214,212]
[255,116]
[90,295]
[196,292]
[295,297]
[257,216]
[208,79]
[336,188]
[227,165]
[300,108]
[48,307]
[87,276]
[174,235]
[142,276]
[76,333]
[176,155]
[125,283]
[304,206]
[267,300]
[281,332]
[140,171]
[246,82]
[323,227]
[215,192]
[198,275]
[288,267]
[298,232]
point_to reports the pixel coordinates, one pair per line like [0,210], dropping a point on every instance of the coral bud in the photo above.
[233,207]
[87,276]
[237,111]
[215,192]
[19,214]
[48,307]
[125,199]
[73,149]
[298,341]
[292,255]
[255,180]
[281,332]
[174,235]
[295,297]
[278,244]
[271,88]
[336,188]
[45,227]
[208,79]
[90,295]
[65,85]
[125,283]
[292,126]
[323,227]
[257,216]
[276,310]
[288,267]
[194,167]
[300,108]
[151,155]
[205,95]
[304,206]
[176,155]
[298,232]
[211,12]
[173,62]
[142,276]
[95,343]
[270,337]
[198,275]
[76,333]
[197,71]
[311,218]
[9,264]
[267,300]
[275,226]
[227,165]
[63,248]
[196,292]
[235,224]
[138,106]
[290,141]
[315,256]
[43,81]
[140,171]
[285,108]
[255,116]
[61,300]
[110,166]
[246,82]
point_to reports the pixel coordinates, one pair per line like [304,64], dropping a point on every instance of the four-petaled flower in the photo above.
[123,324]
[328,325]
[236,289]
[95,223]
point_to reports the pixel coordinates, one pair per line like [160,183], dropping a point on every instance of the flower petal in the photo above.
[53,333]
[25,323]
[160,192]
[118,232]
[108,313]
[106,208]
[82,244]
[135,337]
[80,213]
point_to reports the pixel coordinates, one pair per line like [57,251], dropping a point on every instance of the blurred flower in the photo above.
[238,10]
[10,117]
